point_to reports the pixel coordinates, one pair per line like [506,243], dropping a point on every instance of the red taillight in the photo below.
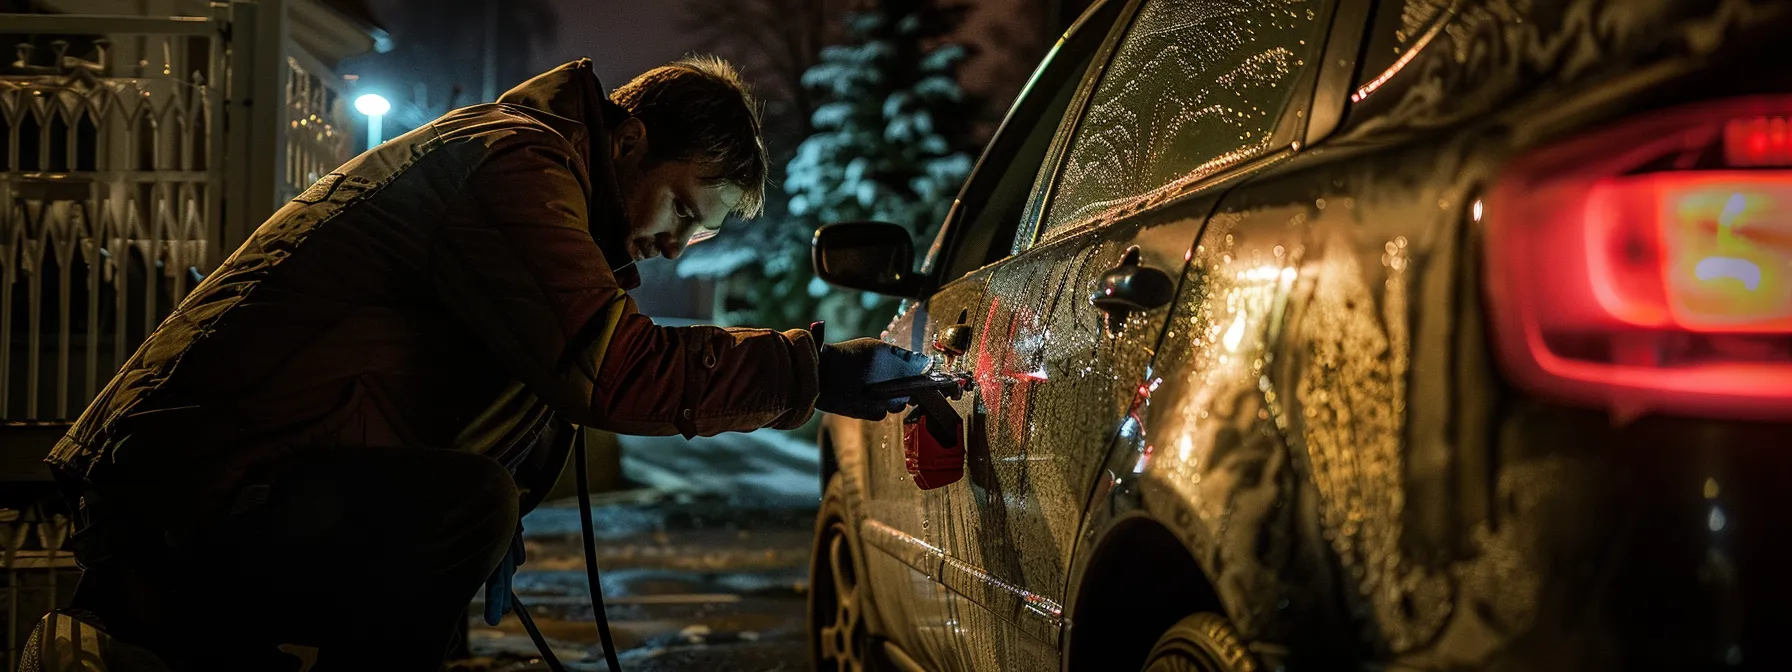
[1758,141]
[1700,251]
[1649,268]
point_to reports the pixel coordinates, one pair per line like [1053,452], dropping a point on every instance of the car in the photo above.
[1327,334]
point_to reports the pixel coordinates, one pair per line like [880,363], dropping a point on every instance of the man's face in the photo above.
[668,202]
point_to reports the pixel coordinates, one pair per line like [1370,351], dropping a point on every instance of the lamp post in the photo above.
[375,107]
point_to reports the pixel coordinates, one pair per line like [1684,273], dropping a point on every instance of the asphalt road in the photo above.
[704,568]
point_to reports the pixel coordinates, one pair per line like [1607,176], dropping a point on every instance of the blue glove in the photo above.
[848,366]
[498,588]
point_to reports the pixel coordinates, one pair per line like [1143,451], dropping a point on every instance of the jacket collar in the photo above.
[573,93]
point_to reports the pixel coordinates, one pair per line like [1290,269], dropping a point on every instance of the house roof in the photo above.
[332,30]
[357,11]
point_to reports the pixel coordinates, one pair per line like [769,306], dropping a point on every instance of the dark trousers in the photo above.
[370,555]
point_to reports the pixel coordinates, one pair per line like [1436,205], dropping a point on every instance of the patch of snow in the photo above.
[694,634]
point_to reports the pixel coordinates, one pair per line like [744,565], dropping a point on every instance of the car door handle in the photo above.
[1131,287]
[953,341]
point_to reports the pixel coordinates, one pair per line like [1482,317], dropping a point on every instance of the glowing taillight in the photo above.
[1758,141]
[1700,251]
[1646,269]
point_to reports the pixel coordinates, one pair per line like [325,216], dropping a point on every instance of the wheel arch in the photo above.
[1135,555]
[842,442]
[830,463]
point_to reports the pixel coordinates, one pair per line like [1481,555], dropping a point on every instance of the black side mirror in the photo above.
[872,256]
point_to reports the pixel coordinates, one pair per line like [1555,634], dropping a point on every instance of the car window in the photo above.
[996,200]
[1195,86]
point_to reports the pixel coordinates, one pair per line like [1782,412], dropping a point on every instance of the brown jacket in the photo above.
[441,290]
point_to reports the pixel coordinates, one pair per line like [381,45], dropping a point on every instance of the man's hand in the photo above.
[848,366]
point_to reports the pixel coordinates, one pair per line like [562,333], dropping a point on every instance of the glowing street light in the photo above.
[375,106]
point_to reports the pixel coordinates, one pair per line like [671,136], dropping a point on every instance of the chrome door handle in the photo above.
[1131,287]
[953,341]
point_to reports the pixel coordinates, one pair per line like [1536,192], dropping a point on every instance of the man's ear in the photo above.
[629,141]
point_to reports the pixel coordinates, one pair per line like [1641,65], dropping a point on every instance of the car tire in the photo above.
[1204,642]
[838,638]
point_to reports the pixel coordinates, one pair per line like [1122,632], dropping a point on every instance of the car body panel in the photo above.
[1051,385]
[1274,444]
[1053,382]
[1363,449]
[1322,423]
[912,528]
[908,533]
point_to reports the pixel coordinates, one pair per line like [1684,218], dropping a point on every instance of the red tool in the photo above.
[932,433]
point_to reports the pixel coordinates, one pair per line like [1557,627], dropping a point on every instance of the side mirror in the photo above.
[872,256]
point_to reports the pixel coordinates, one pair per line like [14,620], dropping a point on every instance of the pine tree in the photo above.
[889,140]
[889,144]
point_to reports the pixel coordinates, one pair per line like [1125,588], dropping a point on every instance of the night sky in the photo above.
[622,37]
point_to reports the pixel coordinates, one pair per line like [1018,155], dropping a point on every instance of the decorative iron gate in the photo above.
[121,186]
[111,176]
[109,202]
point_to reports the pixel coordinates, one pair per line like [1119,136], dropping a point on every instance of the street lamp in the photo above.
[375,107]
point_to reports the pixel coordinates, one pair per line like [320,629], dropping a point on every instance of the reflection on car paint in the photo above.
[1351,389]
[1212,462]
[1422,21]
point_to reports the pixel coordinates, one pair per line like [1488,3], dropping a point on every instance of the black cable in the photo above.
[541,643]
[597,586]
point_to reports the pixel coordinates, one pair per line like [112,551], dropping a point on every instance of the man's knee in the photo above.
[478,489]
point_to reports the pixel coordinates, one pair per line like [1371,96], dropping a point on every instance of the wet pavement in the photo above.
[704,567]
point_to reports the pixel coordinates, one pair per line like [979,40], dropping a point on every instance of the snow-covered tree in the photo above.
[774,42]
[890,143]
[888,138]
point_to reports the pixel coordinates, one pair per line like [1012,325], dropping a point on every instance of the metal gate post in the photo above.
[257,82]
[267,113]
[218,139]
[234,227]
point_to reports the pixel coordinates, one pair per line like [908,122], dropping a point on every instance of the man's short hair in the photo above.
[698,109]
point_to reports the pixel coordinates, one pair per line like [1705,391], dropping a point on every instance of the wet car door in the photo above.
[908,531]
[1196,94]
